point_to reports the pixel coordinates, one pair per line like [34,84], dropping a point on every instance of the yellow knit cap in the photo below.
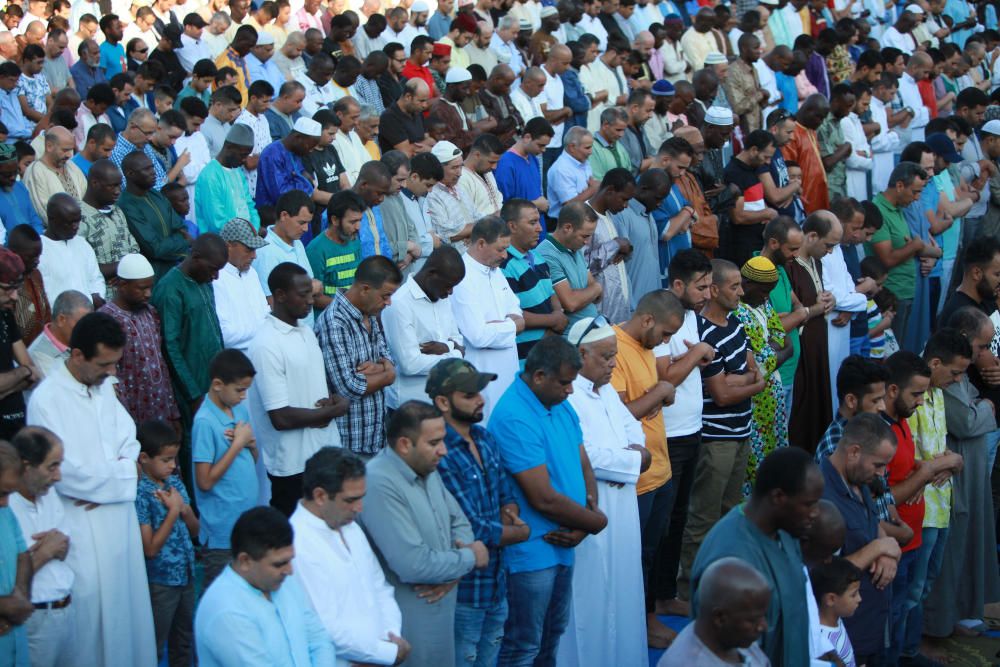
[760,270]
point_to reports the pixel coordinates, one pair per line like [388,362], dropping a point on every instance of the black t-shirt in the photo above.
[11,407]
[326,166]
[395,127]
[956,302]
[731,422]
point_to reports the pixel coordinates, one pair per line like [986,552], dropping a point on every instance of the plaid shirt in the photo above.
[368,92]
[347,344]
[828,443]
[481,491]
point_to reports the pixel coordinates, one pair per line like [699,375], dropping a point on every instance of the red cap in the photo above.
[441,50]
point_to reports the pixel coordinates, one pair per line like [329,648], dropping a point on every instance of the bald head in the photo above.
[690,134]
[726,585]
[825,536]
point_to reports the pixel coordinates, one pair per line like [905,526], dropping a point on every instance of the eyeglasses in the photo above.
[596,323]
[142,50]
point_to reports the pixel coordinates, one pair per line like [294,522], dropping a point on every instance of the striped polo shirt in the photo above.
[528,276]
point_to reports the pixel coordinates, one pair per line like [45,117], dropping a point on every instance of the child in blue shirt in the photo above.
[180,201]
[166,522]
[224,453]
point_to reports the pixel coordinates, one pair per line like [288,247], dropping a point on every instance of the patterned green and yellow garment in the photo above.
[770,431]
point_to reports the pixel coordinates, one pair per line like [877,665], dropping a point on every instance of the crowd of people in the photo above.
[490,334]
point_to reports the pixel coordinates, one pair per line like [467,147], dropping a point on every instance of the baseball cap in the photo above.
[450,375]
[943,147]
[240,230]
[173,35]
[445,151]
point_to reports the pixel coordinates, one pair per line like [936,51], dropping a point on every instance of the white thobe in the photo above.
[261,140]
[607,624]
[768,82]
[697,45]
[71,264]
[859,162]
[197,147]
[552,97]
[192,50]
[910,95]
[481,304]
[404,36]
[409,321]
[837,279]
[528,107]
[884,145]
[595,77]
[114,619]
[892,37]
[345,583]
[593,25]
[674,63]
[241,306]
[317,97]
[482,190]
[352,153]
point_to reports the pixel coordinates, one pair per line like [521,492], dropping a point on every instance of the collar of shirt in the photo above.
[473,263]
[405,471]
[599,138]
[559,246]
[47,330]
[272,237]
[343,303]
[281,326]
[639,208]
[233,271]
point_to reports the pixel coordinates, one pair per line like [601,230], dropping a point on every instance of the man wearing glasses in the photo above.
[135,138]
[13,379]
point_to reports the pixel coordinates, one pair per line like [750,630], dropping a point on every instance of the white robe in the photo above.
[607,623]
[837,279]
[114,620]
[859,162]
[884,145]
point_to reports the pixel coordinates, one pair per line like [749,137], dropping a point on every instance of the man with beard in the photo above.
[335,254]
[802,149]
[474,475]
[862,455]
[739,238]
[764,532]
[678,361]
[980,279]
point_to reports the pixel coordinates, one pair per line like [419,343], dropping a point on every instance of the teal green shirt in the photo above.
[334,264]
[781,299]
[571,267]
[902,280]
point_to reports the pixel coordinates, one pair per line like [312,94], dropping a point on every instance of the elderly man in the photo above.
[136,137]
[87,72]
[239,299]
[489,325]
[608,150]
[51,348]
[280,168]
[448,109]
[156,227]
[288,58]
[496,99]
[326,532]
[450,210]
[420,327]
[570,179]
[103,223]
[479,51]
[222,191]
[54,172]
[99,479]
[68,261]
[613,439]
[143,377]
[40,515]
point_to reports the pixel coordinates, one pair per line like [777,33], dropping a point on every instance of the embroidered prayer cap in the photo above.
[445,151]
[457,75]
[308,127]
[547,11]
[441,50]
[590,330]
[662,88]
[134,266]
[719,116]
[7,153]
[524,24]
[419,7]
[240,230]
[240,134]
[264,38]
[11,267]
[760,269]
[716,58]
[451,375]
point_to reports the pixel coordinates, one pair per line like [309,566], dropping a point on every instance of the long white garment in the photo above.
[197,147]
[892,37]
[607,623]
[837,279]
[410,320]
[345,583]
[241,306]
[884,145]
[859,162]
[481,304]
[768,82]
[552,98]
[114,620]
[352,153]
[675,64]
[528,107]
[261,140]
[595,77]
[482,190]
[910,95]
[594,26]
[67,265]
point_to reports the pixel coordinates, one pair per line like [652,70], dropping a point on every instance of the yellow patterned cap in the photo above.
[760,270]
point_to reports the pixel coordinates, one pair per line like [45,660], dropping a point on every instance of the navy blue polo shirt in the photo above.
[867,627]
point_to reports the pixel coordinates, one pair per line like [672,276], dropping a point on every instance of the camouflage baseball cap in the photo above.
[451,375]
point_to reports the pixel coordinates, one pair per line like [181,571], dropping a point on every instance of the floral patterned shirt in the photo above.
[35,89]
[174,565]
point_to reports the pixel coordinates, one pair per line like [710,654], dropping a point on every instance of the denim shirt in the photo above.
[174,565]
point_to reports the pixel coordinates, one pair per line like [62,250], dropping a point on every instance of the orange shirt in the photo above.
[804,149]
[634,375]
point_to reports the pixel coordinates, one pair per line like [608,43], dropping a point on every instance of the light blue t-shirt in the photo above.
[112,59]
[530,435]
[236,491]
[14,644]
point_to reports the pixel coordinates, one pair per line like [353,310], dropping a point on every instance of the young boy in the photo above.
[166,523]
[180,201]
[836,585]
[163,99]
[881,306]
[224,453]
[795,176]
[200,86]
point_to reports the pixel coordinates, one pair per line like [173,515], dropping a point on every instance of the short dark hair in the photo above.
[33,444]
[971,98]
[194,107]
[872,267]
[550,354]
[870,59]
[260,88]
[913,152]
[576,214]
[487,144]
[427,166]
[687,265]
[512,208]
[856,376]
[617,179]
[867,430]
[873,215]
[326,118]
[376,271]
[395,159]
[226,94]
[539,127]
[156,435]
[283,276]
[980,253]
[784,470]
[260,530]
[489,229]
[101,93]
[328,469]
[95,329]
[903,366]
[906,173]
[292,202]
[675,146]
[759,139]
[203,68]
[173,118]
[106,21]
[418,43]
[342,202]
[946,344]
[230,366]
[407,419]
[661,304]
[779,228]
[833,577]
[32,51]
